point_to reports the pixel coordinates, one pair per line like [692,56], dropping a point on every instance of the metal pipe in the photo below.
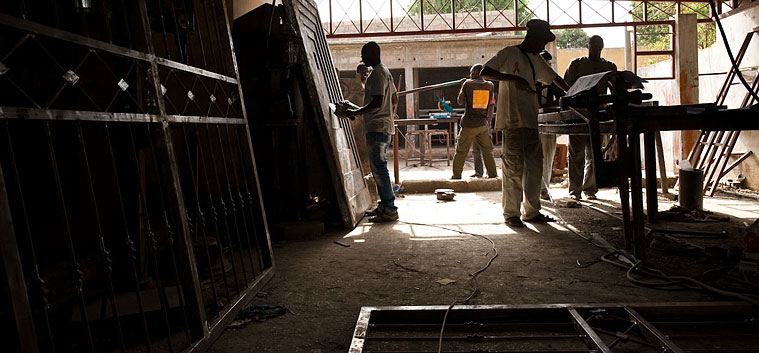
[430,87]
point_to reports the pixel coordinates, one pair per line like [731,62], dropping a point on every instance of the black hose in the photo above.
[730,52]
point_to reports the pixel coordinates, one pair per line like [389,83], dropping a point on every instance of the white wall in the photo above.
[715,60]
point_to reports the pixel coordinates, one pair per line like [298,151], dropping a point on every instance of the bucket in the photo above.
[691,194]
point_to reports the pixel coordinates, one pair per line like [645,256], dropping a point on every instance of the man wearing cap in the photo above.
[582,175]
[519,68]
[476,95]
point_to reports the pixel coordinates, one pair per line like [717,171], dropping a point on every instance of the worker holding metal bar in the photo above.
[519,68]
[379,97]
[476,95]
[582,176]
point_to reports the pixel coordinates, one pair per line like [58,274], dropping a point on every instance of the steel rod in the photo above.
[78,274]
[132,252]
[104,253]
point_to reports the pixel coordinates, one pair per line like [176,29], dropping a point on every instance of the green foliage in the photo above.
[660,37]
[432,7]
[571,38]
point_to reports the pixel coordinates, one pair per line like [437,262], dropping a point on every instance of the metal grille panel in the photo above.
[131,217]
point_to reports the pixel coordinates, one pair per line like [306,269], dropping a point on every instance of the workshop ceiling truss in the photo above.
[364,18]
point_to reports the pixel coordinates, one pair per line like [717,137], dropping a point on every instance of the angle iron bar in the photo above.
[152,240]
[718,171]
[232,201]
[498,29]
[212,211]
[200,223]
[104,253]
[217,326]
[163,27]
[195,70]
[18,113]
[219,36]
[17,292]
[240,199]
[38,282]
[43,30]
[223,206]
[78,277]
[591,335]
[651,332]
[401,313]
[127,240]
[251,201]
[190,278]
[168,228]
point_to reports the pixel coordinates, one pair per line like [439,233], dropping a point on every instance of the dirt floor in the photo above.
[407,263]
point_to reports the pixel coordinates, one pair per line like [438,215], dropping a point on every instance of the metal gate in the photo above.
[130,210]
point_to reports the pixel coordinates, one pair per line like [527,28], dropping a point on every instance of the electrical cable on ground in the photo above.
[667,280]
[472,279]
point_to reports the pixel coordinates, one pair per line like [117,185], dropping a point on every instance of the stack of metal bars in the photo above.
[130,210]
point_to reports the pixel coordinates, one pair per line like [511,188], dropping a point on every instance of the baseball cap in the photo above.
[540,29]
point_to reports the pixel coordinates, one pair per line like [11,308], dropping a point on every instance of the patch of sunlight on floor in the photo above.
[360,229]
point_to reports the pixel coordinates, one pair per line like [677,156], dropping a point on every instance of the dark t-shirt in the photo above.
[479,94]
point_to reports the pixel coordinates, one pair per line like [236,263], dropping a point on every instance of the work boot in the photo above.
[515,222]
[476,175]
[384,216]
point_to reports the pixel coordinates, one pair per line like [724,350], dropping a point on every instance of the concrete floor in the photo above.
[325,284]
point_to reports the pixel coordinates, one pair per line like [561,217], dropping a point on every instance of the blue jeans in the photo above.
[376,144]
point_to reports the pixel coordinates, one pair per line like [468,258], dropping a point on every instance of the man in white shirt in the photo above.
[518,68]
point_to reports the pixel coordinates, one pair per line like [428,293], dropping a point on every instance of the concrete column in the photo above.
[408,77]
[686,72]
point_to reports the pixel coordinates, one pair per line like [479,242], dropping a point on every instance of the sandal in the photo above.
[540,218]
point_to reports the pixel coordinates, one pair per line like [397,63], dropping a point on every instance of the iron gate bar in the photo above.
[590,335]
[40,29]
[223,206]
[169,231]
[661,314]
[171,216]
[76,269]
[132,251]
[56,114]
[11,263]
[651,332]
[663,8]
[104,254]
[235,207]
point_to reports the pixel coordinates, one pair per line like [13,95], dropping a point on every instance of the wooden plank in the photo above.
[324,88]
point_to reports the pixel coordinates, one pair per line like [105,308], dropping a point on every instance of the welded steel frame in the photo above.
[201,329]
[333,24]
[627,123]
[548,322]
[664,12]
